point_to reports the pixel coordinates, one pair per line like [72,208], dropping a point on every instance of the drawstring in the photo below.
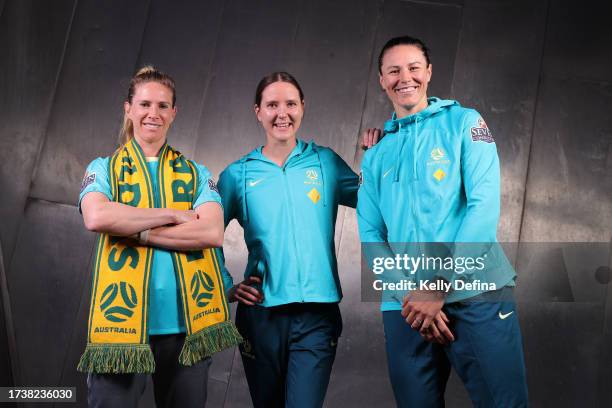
[245,215]
[322,178]
[414,149]
[398,149]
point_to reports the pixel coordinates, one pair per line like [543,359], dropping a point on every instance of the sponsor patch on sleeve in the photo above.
[212,185]
[87,180]
[481,132]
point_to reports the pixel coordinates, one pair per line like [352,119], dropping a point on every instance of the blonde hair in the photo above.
[148,73]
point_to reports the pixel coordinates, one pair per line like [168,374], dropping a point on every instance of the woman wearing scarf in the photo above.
[157,303]
[285,194]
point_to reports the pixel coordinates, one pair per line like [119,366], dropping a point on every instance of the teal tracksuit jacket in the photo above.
[435,177]
[289,214]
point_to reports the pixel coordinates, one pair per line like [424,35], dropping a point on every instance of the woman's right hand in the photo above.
[181,217]
[245,292]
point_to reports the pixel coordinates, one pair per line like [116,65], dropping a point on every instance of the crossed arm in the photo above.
[169,228]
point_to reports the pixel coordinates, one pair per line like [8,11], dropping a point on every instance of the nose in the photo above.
[282,111]
[153,111]
[405,75]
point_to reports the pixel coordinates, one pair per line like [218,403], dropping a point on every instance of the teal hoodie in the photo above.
[435,177]
[288,215]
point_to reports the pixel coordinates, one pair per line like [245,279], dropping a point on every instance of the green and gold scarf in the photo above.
[117,340]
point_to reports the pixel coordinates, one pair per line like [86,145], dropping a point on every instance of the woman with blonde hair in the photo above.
[157,301]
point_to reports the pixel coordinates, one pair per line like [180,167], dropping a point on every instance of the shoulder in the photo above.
[463,115]
[326,154]
[98,168]
[233,169]
[202,170]
[377,153]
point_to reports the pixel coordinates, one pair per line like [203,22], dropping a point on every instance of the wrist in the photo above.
[143,237]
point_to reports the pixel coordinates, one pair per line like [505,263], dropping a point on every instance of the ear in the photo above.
[174,112]
[126,107]
[381,82]
[256,109]
[429,68]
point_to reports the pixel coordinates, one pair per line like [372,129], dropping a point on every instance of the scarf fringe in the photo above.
[117,359]
[208,341]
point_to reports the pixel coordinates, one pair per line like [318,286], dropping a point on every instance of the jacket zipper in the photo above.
[292,229]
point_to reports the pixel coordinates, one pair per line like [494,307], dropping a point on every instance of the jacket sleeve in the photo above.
[373,230]
[481,183]
[371,224]
[347,182]
[228,190]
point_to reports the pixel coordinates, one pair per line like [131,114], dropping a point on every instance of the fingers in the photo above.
[369,138]
[443,316]
[443,328]
[253,280]
[375,136]
[426,322]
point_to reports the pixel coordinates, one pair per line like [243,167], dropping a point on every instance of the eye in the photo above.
[271,105]
[164,106]
[144,104]
[394,71]
[412,69]
[291,104]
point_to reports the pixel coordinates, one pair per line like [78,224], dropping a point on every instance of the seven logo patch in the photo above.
[481,132]
[87,180]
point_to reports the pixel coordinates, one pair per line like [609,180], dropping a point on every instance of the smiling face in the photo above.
[151,113]
[404,76]
[280,111]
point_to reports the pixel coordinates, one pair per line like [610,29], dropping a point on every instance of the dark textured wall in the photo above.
[536,70]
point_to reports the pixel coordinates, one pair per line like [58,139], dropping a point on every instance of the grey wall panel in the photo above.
[330,59]
[438,26]
[569,190]
[359,377]
[579,40]
[32,38]
[253,42]
[185,51]
[46,278]
[87,111]
[237,395]
[70,377]
[6,375]
[562,345]
[604,391]
[486,78]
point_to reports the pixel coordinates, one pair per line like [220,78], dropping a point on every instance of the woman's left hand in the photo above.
[420,307]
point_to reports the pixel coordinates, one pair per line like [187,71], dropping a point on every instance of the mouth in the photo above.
[284,125]
[406,90]
[149,125]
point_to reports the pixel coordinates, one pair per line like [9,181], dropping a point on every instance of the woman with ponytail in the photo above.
[157,302]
